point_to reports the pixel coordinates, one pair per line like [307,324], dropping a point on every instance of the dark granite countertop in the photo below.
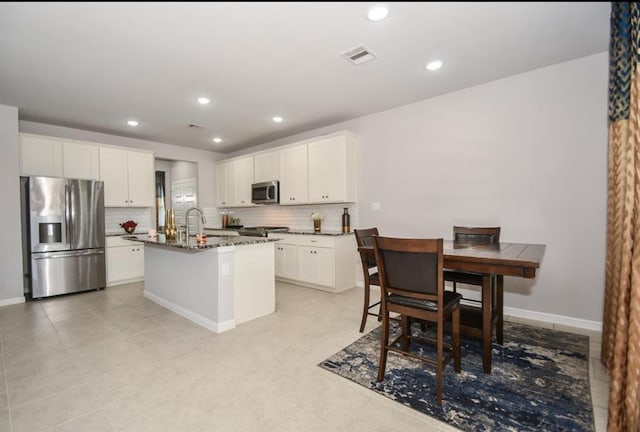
[312,232]
[122,234]
[212,242]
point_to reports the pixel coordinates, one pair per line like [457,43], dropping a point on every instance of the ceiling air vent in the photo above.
[358,55]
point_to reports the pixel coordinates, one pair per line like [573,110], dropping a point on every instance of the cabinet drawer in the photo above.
[316,241]
[113,241]
[305,240]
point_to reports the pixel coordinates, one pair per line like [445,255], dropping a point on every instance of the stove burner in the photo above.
[261,231]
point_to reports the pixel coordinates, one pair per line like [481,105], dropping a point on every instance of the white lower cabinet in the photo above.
[125,261]
[324,262]
[286,261]
[316,265]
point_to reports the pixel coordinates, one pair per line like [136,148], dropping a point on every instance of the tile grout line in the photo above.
[84,377]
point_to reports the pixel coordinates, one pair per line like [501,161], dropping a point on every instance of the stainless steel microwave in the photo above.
[266,192]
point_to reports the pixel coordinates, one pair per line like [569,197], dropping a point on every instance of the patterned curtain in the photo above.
[621,329]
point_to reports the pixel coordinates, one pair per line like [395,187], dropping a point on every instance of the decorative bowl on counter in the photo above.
[129,226]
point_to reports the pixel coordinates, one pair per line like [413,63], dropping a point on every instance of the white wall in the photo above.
[205,159]
[11,289]
[528,152]
[184,171]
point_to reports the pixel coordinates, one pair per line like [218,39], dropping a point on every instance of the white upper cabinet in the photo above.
[142,180]
[233,182]
[317,170]
[242,179]
[128,177]
[266,167]
[57,157]
[332,169]
[224,186]
[294,181]
[113,172]
[81,161]
[41,156]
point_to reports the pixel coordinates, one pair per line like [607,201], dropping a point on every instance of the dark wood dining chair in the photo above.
[411,278]
[364,237]
[474,237]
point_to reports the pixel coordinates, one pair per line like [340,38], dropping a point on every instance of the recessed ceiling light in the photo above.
[217,140]
[434,65]
[377,12]
[132,123]
[203,100]
[278,119]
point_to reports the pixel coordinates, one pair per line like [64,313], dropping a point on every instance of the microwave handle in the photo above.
[268,189]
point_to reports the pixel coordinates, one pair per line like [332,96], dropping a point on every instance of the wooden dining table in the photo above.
[493,261]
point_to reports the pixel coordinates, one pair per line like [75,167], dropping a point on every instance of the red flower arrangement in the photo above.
[129,226]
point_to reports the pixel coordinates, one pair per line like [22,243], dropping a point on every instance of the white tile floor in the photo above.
[113,361]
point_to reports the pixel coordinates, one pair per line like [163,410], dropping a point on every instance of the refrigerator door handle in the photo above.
[46,255]
[67,213]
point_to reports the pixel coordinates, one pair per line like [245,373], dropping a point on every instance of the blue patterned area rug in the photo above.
[539,380]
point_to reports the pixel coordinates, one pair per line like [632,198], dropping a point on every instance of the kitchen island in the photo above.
[218,285]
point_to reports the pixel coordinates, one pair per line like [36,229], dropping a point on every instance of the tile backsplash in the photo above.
[294,217]
[114,216]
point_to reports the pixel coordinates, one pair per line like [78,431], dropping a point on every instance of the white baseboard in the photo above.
[198,319]
[124,281]
[554,319]
[545,317]
[12,301]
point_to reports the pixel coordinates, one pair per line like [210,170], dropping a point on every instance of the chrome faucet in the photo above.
[186,219]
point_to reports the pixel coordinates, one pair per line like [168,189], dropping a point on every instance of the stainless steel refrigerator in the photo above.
[62,235]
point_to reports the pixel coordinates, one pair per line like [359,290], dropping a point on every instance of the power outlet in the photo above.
[375,206]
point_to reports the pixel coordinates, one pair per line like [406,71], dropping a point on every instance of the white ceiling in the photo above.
[94,65]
